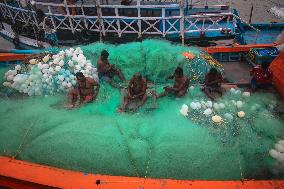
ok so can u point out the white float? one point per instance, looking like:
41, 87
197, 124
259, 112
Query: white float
216, 119
207, 112
184, 110
241, 114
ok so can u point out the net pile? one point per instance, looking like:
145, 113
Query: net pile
157, 140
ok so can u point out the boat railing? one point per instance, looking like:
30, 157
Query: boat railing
257, 31
124, 19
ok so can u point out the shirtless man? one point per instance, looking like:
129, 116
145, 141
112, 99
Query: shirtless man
180, 86
136, 90
213, 80
84, 91
106, 70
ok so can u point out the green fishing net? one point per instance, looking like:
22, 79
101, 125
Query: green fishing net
156, 140
155, 59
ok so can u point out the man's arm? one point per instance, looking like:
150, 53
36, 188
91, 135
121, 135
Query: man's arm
97, 87
170, 77
218, 80
129, 88
181, 87
103, 67
143, 89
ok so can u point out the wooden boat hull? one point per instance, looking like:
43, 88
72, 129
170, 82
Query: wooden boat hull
21, 174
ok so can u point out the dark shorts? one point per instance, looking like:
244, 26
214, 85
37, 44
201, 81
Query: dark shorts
212, 88
108, 75
254, 84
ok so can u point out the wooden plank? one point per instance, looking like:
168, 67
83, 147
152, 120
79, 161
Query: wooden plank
12, 57
236, 48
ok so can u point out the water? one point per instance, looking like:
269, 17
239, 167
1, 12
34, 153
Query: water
6, 45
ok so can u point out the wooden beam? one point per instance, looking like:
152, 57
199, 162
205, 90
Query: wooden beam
4, 57
182, 21
236, 48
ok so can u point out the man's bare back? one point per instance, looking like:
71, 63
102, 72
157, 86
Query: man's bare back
87, 87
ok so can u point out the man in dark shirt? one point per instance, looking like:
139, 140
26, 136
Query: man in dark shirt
261, 77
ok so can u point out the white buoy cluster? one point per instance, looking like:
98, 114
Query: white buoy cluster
51, 74
184, 110
209, 109
278, 154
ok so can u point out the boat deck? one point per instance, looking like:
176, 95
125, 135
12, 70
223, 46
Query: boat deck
237, 72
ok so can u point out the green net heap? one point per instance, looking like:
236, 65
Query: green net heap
156, 141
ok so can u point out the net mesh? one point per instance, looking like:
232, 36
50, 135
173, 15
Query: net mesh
156, 141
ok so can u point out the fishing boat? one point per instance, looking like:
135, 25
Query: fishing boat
246, 45
85, 22
16, 174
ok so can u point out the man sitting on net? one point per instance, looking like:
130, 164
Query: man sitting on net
84, 91
213, 81
180, 86
106, 70
136, 91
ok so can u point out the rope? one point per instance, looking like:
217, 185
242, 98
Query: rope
128, 151
21, 146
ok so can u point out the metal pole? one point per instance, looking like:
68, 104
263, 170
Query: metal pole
99, 17
118, 22
182, 21
11, 15
250, 16
69, 16
164, 21
139, 19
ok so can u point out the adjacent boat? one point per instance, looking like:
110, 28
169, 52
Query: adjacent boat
83, 23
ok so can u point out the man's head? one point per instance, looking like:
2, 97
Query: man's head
104, 55
138, 76
179, 72
213, 71
40, 15
265, 65
80, 76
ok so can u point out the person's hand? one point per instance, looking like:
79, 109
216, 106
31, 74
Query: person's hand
167, 88
130, 96
169, 77
134, 96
